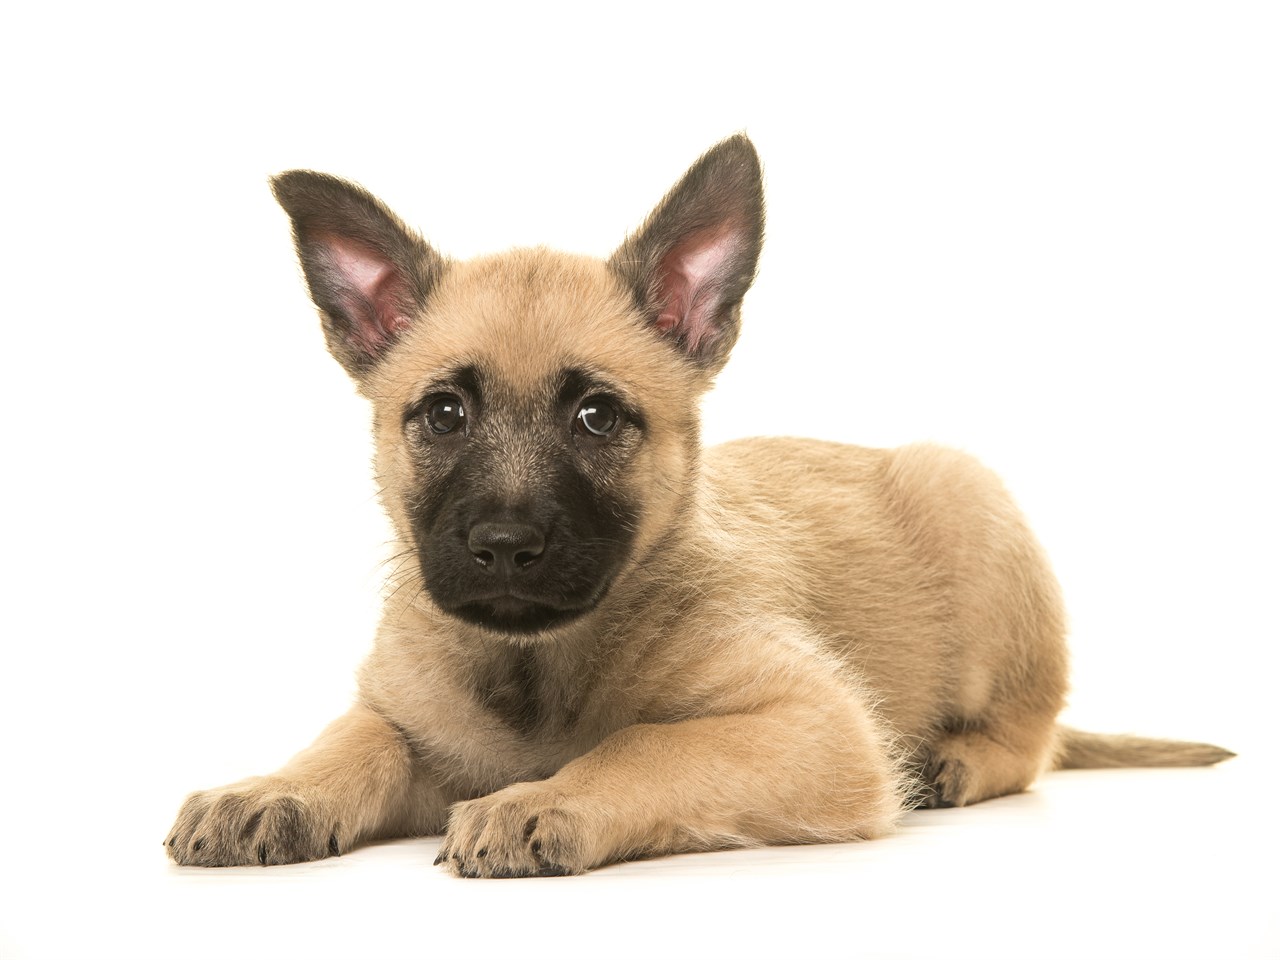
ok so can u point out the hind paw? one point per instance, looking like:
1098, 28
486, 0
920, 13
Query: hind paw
943, 783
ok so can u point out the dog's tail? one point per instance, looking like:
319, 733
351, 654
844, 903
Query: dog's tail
1080, 750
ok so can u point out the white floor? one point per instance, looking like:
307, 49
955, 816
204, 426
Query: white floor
1089, 864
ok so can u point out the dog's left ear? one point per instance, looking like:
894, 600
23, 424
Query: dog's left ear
691, 263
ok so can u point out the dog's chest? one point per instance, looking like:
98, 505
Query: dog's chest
528, 697
527, 716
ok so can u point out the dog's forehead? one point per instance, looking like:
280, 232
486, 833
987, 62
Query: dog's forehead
523, 318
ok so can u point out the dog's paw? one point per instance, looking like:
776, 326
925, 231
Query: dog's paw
260, 821
963, 768
943, 783
525, 830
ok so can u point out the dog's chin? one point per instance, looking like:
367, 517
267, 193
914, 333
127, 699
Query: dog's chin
514, 616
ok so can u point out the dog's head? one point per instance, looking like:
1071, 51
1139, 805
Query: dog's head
535, 413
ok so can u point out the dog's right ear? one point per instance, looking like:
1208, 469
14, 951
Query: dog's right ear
369, 274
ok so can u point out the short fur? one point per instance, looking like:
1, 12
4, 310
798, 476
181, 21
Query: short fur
612, 643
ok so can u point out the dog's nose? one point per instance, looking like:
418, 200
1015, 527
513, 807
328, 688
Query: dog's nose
506, 548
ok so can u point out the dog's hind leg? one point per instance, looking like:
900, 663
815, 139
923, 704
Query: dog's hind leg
999, 755
999, 744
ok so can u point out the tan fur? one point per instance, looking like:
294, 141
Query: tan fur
806, 635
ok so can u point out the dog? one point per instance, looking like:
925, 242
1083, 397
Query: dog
613, 643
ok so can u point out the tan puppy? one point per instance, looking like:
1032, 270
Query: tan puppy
616, 644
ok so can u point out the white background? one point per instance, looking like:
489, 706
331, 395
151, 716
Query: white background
1046, 234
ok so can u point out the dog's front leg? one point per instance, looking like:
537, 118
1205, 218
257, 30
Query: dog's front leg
358, 780
790, 773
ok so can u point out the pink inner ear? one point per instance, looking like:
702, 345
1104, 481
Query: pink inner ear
692, 279
373, 292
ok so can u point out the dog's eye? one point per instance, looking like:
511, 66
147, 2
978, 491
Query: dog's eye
445, 415
598, 417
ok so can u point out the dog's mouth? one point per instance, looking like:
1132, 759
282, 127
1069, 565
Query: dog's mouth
511, 614
515, 578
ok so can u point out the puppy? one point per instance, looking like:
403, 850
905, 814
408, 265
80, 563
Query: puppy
617, 644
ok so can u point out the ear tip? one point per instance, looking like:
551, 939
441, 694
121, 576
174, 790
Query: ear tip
291, 183
286, 187
740, 146
289, 176
736, 159
309, 194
